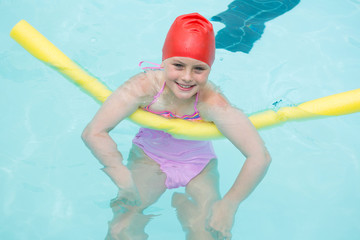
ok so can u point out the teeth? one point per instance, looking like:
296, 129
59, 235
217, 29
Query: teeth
184, 86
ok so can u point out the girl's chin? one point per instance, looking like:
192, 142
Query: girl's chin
185, 95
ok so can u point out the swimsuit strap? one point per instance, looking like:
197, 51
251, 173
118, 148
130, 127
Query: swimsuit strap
196, 102
160, 92
156, 96
158, 66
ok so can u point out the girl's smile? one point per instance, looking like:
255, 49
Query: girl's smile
185, 87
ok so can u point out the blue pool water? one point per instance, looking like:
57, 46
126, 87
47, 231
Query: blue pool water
51, 186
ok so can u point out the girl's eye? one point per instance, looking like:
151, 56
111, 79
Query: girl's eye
178, 65
199, 69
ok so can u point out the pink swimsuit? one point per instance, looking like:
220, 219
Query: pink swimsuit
181, 160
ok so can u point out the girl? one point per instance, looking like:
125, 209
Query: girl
158, 161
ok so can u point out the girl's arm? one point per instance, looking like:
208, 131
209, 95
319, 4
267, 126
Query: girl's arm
235, 126
122, 103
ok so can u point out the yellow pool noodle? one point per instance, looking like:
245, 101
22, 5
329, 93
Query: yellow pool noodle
36, 44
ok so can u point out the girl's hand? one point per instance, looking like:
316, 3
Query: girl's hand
128, 194
221, 219
127, 197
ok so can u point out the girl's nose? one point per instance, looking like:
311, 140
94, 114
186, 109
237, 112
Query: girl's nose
186, 77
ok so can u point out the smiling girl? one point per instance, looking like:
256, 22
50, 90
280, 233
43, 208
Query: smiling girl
158, 161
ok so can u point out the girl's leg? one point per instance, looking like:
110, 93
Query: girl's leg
194, 206
129, 222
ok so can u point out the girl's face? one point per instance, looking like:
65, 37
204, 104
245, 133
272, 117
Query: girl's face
185, 76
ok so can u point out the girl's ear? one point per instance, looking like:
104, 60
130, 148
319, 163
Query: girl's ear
162, 64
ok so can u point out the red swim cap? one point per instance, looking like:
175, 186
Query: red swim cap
191, 35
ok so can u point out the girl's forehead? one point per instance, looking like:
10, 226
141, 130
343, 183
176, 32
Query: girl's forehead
185, 60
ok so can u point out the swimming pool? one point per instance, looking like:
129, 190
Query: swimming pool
51, 187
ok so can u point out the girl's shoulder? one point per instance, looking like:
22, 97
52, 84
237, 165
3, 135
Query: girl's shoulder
155, 78
211, 101
145, 84
211, 95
